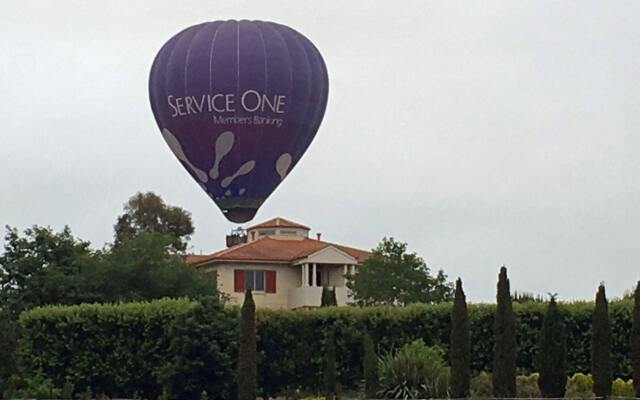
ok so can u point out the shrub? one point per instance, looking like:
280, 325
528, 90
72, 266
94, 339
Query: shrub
621, 388
635, 340
415, 371
32, 387
601, 346
369, 367
551, 358
482, 386
330, 375
130, 341
580, 386
459, 356
202, 354
527, 386
247, 350
505, 351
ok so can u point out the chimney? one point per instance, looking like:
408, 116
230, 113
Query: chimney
318, 235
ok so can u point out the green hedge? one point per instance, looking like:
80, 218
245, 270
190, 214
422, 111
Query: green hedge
184, 348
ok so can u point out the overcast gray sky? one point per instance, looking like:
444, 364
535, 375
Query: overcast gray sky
480, 133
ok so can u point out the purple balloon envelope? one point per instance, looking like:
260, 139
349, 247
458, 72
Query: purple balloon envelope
238, 103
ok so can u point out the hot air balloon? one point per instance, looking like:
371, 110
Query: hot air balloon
238, 103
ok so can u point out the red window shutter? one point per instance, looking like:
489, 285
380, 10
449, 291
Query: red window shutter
238, 280
270, 284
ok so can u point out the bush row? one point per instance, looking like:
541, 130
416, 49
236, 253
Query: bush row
183, 348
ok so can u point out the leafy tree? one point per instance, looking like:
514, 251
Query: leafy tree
390, 275
504, 350
369, 367
247, 369
41, 267
143, 268
328, 297
601, 346
635, 340
148, 212
460, 350
330, 375
551, 360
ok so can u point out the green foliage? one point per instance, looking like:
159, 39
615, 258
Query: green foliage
202, 355
416, 371
580, 386
113, 349
527, 386
147, 212
459, 350
482, 386
369, 367
40, 267
35, 386
137, 339
622, 388
526, 297
328, 298
601, 346
504, 331
142, 269
247, 350
552, 357
390, 275
330, 374
635, 340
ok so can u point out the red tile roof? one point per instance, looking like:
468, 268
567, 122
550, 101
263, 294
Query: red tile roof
266, 249
278, 222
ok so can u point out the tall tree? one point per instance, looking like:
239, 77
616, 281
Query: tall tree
247, 369
551, 360
504, 350
328, 297
369, 367
460, 349
601, 346
391, 275
40, 267
148, 212
330, 375
635, 340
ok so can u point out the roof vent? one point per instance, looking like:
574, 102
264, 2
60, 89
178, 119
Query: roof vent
318, 235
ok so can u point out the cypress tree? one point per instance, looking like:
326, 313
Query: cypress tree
324, 300
635, 340
369, 367
504, 347
459, 352
330, 376
328, 297
551, 360
247, 350
601, 346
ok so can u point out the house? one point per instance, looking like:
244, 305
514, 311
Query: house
282, 264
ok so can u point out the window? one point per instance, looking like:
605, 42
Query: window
283, 232
258, 280
254, 280
265, 232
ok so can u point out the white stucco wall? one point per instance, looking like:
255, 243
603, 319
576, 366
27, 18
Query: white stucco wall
287, 277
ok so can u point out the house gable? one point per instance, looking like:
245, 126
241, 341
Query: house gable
328, 255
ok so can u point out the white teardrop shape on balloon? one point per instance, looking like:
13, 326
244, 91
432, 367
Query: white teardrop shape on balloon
223, 146
243, 170
177, 150
282, 165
